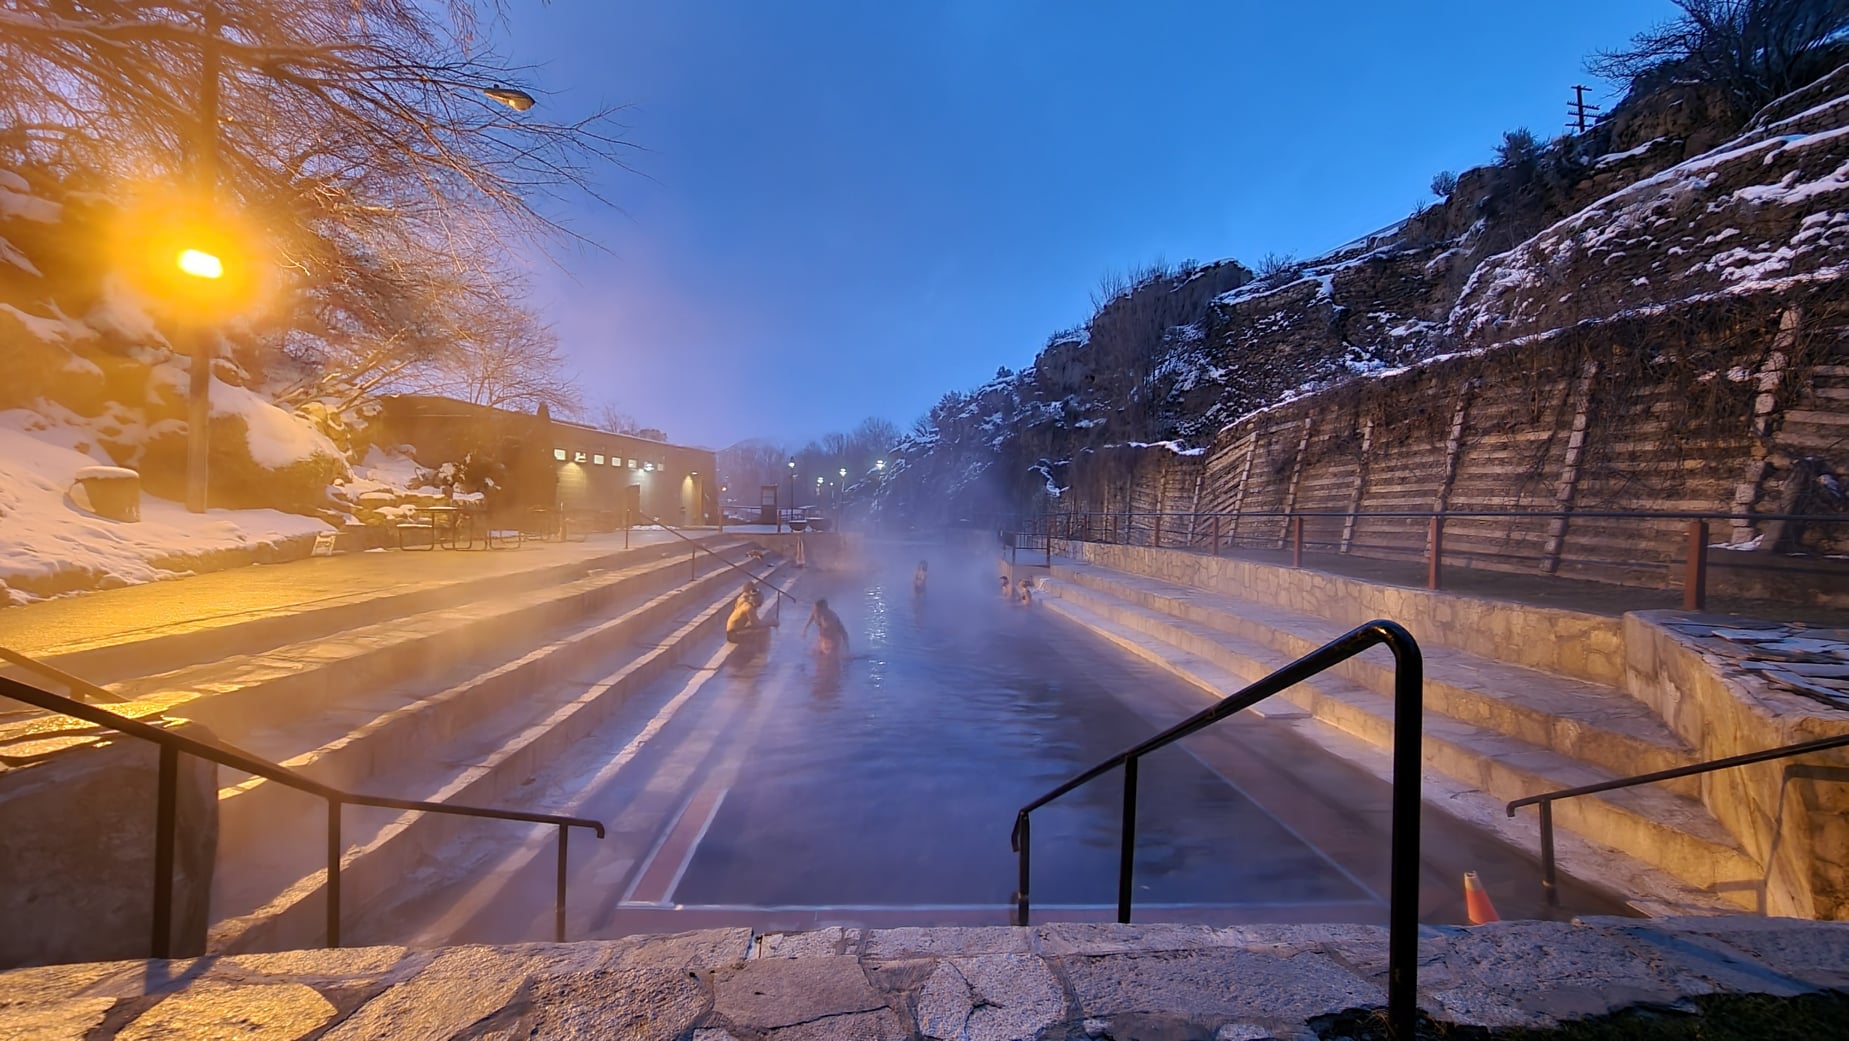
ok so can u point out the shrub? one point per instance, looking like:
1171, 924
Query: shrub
1278, 268
1519, 148
1444, 182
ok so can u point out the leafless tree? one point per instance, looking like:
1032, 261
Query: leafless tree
356, 132
1753, 51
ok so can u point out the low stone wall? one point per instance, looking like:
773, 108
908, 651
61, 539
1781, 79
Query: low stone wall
77, 820
1601, 977
1567, 643
1793, 819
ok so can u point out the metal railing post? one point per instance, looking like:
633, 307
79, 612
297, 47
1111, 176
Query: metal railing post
558, 907
693, 564
1126, 854
166, 794
1695, 573
1296, 541
1216, 534
1547, 855
1434, 567
333, 872
1023, 838
1403, 881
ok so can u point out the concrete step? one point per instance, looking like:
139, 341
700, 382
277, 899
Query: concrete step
234, 625
492, 764
1599, 725
426, 717
1668, 831
244, 697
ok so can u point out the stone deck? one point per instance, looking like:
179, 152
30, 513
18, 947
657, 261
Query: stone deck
1054, 981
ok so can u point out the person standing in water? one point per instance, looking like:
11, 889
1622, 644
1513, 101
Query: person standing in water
1007, 588
831, 635
918, 577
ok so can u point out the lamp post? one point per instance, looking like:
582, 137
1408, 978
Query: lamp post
792, 493
200, 264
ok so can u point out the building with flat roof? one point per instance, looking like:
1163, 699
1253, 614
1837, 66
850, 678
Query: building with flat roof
545, 462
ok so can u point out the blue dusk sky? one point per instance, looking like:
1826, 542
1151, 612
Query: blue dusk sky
846, 209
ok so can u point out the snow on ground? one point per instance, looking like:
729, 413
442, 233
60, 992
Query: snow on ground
275, 438
42, 534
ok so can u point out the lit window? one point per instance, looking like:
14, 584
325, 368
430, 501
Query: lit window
632, 464
648, 467
597, 459
578, 458
559, 454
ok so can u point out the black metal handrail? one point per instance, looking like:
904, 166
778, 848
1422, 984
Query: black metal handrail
172, 745
1403, 856
698, 545
1546, 800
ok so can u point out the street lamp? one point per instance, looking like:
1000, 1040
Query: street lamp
880, 466
516, 99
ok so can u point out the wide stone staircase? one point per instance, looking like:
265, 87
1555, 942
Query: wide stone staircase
1496, 731
462, 692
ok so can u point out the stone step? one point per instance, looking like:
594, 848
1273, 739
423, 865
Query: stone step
1671, 832
493, 770
427, 717
218, 629
1599, 725
240, 697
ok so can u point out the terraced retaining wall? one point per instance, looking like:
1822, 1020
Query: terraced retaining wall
1627, 416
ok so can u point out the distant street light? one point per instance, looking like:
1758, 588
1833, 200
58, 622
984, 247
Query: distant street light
880, 466
518, 100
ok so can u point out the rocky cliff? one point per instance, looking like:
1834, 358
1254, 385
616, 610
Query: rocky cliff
1661, 213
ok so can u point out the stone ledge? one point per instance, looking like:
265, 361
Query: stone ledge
1585, 979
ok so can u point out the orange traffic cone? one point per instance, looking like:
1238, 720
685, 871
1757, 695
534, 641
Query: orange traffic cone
1476, 902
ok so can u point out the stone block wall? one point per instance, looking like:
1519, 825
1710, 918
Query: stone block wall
1568, 643
1793, 819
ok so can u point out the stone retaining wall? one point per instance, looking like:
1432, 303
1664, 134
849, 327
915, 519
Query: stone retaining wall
1568, 643
1791, 816
1603, 976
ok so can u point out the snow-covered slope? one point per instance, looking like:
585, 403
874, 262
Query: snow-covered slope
49, 545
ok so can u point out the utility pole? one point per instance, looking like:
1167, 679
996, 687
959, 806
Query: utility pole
205, 175
1578, 110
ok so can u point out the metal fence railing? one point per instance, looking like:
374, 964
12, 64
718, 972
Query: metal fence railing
1671, 549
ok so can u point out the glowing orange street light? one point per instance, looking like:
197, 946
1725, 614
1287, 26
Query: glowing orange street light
200, 264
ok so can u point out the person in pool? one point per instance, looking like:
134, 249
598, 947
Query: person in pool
918, 577
1025, 590
1007, 588
744, 623
831, 635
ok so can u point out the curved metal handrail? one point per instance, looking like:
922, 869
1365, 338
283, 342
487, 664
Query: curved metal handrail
1408, 728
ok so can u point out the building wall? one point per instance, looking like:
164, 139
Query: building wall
556, 463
